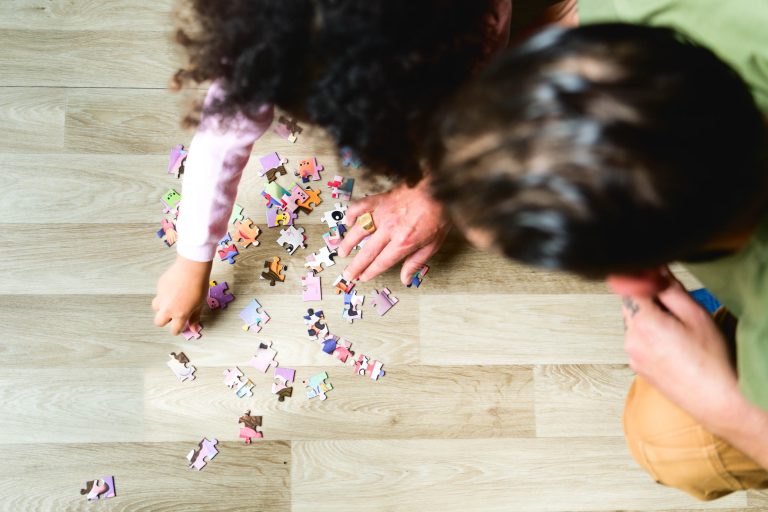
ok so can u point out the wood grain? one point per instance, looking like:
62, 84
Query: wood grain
581, 400
148, 476
32, 120
78, 15
86, 58
536, 475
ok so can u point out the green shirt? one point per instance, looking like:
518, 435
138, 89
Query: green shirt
737, 31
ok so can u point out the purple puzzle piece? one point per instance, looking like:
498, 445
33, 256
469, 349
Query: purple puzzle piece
190, 333
277, 217
218, 296
269, 162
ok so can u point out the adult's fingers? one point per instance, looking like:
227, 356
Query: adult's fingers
162, 318
679, 302
416, 261
359, 207
387, 259
367, 254
353, 237
177, 325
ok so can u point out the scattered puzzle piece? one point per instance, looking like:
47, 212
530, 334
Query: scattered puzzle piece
318, 385
341, 285
320, 260
292, 238
418, 277
218, 296
99, 489
280, 385
309, 169
311, 289
205, 452
364, 365
167, 232
316, 326
334, 236
225, 240
287, 128
176, 160
311, 202
341, 188
336, 216
228, 254
250, 423
271, 162
349, 158
254, 316
383, 301
189, 333
178, 365
233, 378
274, 271
170, 202
247, 232
237, 214
352, 305
276, 216
264, 358
289, 201
273, 194
338, 347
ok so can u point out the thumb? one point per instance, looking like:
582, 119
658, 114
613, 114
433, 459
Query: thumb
416, 261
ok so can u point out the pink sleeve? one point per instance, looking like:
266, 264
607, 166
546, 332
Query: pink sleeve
217, 155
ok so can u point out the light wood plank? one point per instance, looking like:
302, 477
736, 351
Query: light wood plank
148, 476
758, 499
84, 405
32, 120
521, 329
581, 400
408, 402
535, 475
118, 15
86, 58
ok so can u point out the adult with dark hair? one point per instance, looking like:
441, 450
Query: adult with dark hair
611, 150
371, 72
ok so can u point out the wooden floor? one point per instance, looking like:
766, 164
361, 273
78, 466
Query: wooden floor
504, 386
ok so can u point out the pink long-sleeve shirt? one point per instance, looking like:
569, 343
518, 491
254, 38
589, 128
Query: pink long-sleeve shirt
220, 151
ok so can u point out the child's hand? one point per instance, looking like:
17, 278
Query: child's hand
180, 293
409, 224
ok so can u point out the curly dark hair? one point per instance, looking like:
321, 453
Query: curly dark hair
371, 72
602, 149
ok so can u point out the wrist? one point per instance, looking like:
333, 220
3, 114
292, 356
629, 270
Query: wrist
194, 268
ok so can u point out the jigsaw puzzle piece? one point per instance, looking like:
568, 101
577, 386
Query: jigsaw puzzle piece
311, 202
249, 432
99, 489
287, 128
290, 200
205, 452
178, 365
264, 358
311, 289
281, 383
338, 347
349, 158
189, 333
336, 216
228, 254
233, 379
237, 214
176, 160
352, 305
341, 285
318, 385
254, 316
273, 194
334, 236
316, 326
269, 162
218, 296
320, 260
373, 368
309, 169
247, 232
167, 232
274, 271
383, 301
418, 277
276, 217
171, 201
292, 238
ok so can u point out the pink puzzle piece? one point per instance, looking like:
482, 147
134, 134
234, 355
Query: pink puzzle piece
311, 289
99, 489
309, 169
264, 358
204, 453
364, 365
269, 162
190, 333
228, 254
176, 160
383, 301
289, 202
281, 383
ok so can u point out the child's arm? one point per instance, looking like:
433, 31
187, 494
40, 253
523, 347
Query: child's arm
217, 155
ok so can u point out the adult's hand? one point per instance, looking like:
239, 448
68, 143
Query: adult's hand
409, 224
